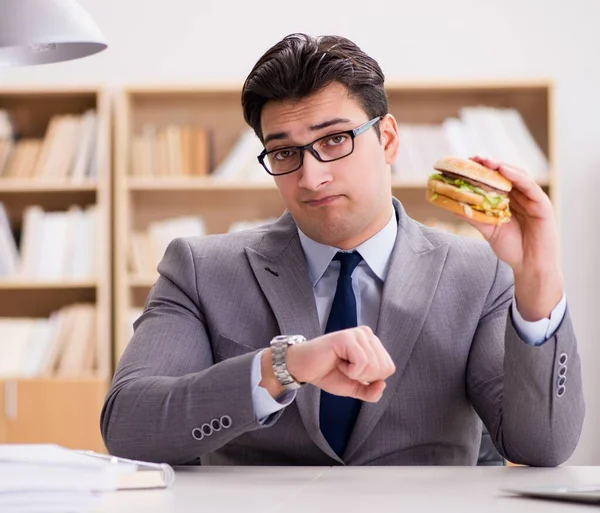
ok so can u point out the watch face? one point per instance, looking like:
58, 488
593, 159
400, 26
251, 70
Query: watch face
289, 339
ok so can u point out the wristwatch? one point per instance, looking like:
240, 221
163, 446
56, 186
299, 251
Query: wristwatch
279, 347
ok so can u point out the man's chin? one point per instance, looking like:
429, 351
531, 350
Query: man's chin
329, 230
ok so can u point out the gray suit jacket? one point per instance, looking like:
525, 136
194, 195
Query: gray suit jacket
444, 319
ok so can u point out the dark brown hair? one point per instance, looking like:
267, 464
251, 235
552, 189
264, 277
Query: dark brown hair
300, 65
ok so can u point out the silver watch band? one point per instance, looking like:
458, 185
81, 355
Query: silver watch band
279, 347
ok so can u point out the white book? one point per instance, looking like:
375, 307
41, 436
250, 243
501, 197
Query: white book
471, 126
418, 163
459, 141
14, 335
238, 161
84, 150
431, 144
38, 346
51, 259
31, 240
9, 253
85, 259
74, 217
97, 151
161, 233
27, 469
537, 162
505, 148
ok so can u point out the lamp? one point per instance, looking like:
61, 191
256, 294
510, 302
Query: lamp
45, 31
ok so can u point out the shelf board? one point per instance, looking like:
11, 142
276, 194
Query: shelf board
209, 184
194, 183
77, 380
28, 284
40, 186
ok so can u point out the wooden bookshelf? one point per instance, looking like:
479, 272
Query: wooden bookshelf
47, 409
140, 200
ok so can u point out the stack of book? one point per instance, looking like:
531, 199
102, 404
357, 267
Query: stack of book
478, 130
494, 133
66, 153
147, 247
44, 477
241, 163
173, 150
54, 245
63, 345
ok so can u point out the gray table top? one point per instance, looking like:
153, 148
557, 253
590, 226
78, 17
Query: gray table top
352, 489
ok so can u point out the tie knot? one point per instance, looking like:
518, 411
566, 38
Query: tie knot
348, 261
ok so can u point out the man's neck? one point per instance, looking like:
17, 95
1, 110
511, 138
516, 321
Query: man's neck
378, 225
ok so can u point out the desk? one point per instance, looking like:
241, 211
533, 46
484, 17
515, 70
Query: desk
351, 489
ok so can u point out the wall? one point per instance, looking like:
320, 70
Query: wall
212, 40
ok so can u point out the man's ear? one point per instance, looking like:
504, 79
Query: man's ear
390, 139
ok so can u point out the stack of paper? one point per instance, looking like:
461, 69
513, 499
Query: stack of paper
41, 478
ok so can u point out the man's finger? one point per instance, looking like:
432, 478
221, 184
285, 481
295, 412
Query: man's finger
489, 163
355, 359
522, 182
370, 393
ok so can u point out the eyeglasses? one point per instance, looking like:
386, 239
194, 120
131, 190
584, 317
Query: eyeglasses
288, 159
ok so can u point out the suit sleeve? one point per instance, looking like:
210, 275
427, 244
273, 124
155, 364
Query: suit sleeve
168, 401
529, 397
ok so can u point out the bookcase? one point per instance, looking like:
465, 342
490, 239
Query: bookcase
156, 125
56, 289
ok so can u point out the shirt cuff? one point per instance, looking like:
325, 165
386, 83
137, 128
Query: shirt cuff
537, 332
264, 404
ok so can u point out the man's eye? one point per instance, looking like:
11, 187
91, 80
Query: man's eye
336, 140
283, 154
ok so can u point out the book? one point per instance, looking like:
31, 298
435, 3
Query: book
63, 345
495, 133
27, 468
137, 475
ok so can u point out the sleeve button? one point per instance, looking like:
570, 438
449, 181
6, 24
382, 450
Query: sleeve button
226, 421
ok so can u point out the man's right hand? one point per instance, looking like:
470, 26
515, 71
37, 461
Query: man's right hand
350, 362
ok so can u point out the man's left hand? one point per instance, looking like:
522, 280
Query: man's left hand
529, 243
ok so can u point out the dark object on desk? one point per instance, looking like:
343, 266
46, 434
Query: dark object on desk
587, 494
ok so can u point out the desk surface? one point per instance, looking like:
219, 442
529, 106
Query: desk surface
352, 489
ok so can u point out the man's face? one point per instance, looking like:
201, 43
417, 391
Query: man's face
344, 202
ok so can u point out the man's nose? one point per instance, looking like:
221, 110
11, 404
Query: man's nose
314, 173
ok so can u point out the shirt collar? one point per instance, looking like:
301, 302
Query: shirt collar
376, 251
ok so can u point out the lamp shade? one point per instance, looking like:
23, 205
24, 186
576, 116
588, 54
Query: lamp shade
46, 31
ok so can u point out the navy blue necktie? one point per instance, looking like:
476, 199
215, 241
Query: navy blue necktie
337, 414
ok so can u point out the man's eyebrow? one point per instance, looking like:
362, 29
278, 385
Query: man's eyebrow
330, 122
313, 128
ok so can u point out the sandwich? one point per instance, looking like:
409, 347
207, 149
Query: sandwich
470, 189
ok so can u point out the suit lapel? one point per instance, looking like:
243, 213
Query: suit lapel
280, 268
408, 291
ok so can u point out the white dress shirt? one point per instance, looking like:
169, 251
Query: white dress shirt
367, 283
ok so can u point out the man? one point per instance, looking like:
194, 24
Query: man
413, 335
